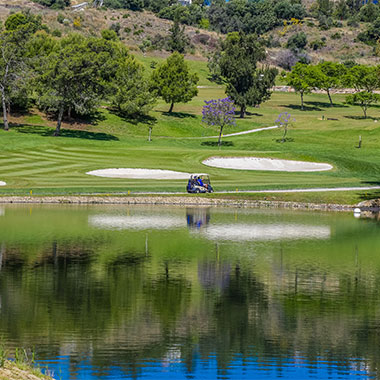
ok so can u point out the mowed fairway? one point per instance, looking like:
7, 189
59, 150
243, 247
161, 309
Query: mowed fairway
31, 159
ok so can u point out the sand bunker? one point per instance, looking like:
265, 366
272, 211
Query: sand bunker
256, 163
139, 173
2, 183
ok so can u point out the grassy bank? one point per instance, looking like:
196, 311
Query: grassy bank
32, 160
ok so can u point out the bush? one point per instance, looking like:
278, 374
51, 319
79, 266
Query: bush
56, 33
287, 10
286, 59
325, 22
353, 22
369, 12
297, 41
336, 36
54, 4
109, 35
127, 30
77, 23
317, 44
60, 18
115, 27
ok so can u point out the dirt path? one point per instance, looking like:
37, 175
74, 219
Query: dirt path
233, 134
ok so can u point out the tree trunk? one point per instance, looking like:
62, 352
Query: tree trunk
150, 134
242, 112
5, 115
365, 112
285, 132
171, 107
331, 102
69, 113
302, 101
220, 136
59, 121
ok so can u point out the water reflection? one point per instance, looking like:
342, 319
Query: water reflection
138, 222
133, 298
274, 231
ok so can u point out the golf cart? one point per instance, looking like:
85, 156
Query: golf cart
199, 183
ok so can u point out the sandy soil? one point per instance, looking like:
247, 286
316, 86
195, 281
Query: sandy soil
139, 173
256, 163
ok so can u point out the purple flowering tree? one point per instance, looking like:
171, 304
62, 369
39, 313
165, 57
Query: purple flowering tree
219, 112
283, 121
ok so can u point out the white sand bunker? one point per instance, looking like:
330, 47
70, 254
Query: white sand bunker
2, 183
256, 163
139, 173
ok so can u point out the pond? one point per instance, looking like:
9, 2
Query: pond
122, 292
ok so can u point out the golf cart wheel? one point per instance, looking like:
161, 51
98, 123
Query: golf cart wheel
197, 191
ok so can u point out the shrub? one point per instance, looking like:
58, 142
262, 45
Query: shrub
115, 27
56, 33
336, 36
77, 23
317, 44
297, 41
109, 35
60, 18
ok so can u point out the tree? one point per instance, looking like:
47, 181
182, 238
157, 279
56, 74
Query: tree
362, 77
178, 40
220, 112
246, 85
363, 99
299, 79
76, 75
132, 93
18, 29
174, 82
327, 76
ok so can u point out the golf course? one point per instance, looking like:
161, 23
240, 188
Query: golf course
34, 162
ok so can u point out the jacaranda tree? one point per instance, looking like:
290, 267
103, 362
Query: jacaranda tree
220, 112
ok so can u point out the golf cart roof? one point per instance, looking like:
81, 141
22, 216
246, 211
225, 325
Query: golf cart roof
198, 174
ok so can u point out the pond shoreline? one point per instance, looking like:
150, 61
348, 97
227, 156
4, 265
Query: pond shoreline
174, 200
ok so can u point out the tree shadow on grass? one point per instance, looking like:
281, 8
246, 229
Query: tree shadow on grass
48, 132
91, 119
180, 115
360, 117
215, 143
136, 119
298, 107
325, 105
370, 194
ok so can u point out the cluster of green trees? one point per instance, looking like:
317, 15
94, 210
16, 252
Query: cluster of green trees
54, 4
236, 64
74, 74
328, 76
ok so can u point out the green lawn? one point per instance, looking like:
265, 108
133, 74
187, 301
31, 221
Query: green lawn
31, 159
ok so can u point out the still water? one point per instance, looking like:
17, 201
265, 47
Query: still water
106, 292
